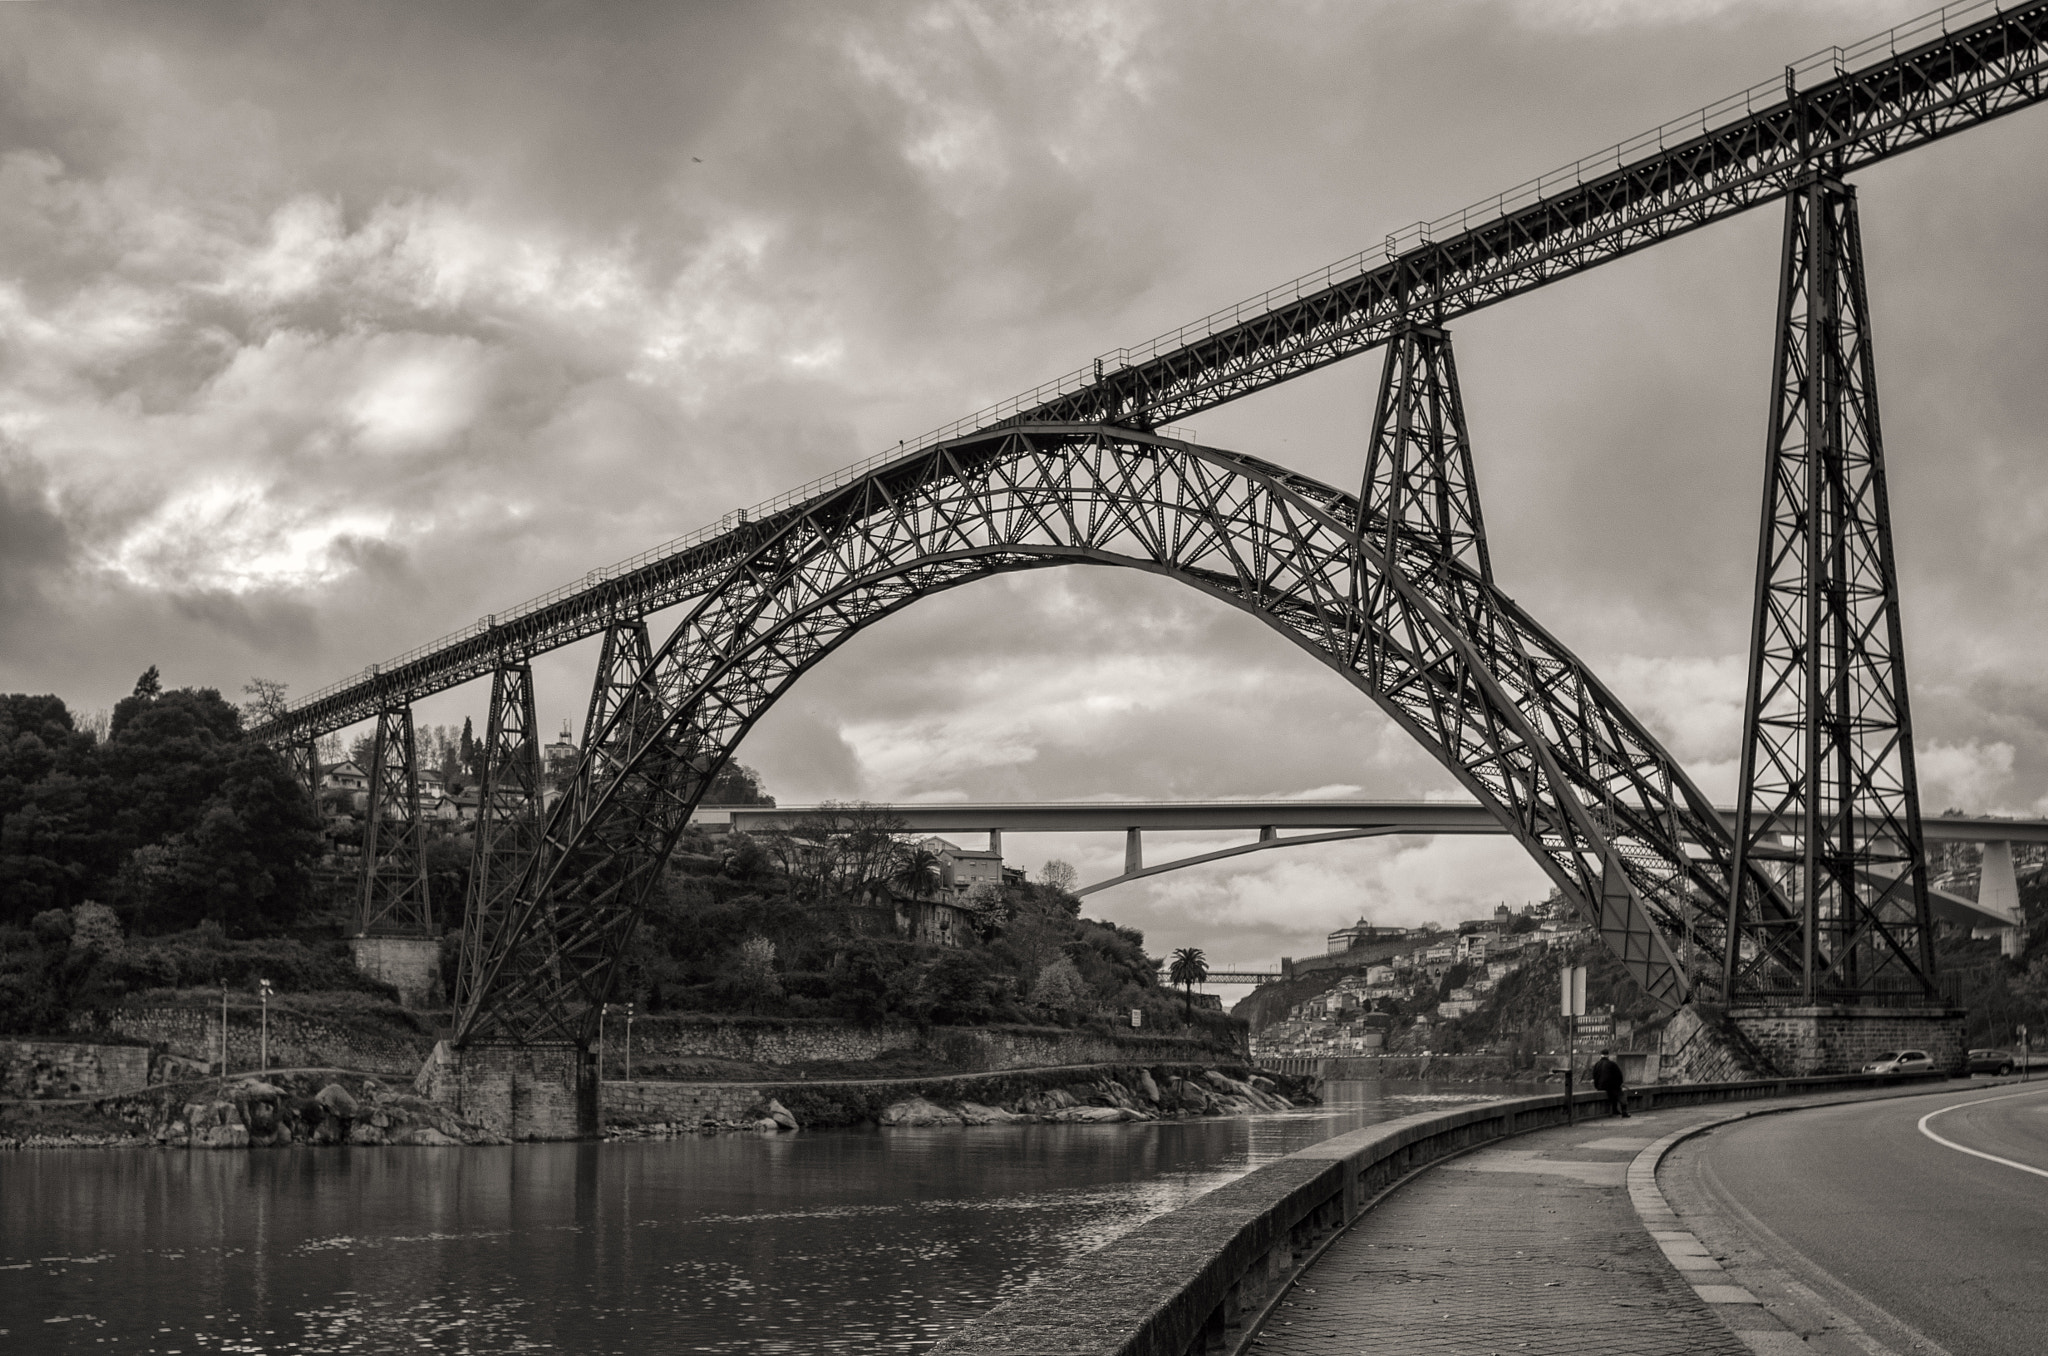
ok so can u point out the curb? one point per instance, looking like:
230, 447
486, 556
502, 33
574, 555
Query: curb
1762, 1331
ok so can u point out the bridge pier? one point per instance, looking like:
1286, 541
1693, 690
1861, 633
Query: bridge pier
1998, 887
411, 965
1800, 1041
523, 1092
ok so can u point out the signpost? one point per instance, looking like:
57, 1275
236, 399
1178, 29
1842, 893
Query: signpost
263, 1056
1571, 1006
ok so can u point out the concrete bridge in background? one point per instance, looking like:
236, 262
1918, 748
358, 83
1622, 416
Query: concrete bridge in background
1330, 821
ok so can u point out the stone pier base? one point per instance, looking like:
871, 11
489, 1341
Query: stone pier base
518, 1091
1800, 1042
411, 965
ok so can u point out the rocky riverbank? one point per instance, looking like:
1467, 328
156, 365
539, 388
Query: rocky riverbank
334, 1107
308, 1106
1097, 1094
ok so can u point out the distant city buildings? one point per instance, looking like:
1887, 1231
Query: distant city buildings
1391, 984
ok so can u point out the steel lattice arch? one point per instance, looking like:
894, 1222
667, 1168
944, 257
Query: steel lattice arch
1508, 710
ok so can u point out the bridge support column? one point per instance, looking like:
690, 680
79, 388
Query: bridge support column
1134, 851
1829, 802
1798, 1041
507, 817
523, 1092
551, 980
1998, 887
396, 941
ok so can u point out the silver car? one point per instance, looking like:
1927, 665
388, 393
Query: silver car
1901, 1061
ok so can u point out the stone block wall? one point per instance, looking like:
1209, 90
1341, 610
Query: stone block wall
644, 1102
523, 1092
658, 1040
411, 965
1699, 1046
298, 1040
69, 1069
1803, 1041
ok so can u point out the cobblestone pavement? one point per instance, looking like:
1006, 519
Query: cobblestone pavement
1519, 1249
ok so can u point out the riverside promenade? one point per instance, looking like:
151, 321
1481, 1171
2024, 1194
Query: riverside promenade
1495, 1230
1561, 1241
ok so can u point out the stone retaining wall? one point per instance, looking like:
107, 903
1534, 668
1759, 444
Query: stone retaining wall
379, 1041
70, 1069
1188, 1280
1813, 1040
411, 965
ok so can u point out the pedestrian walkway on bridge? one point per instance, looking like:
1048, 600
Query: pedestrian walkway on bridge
1539, 1245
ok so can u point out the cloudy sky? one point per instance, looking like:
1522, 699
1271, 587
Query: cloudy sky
325, 329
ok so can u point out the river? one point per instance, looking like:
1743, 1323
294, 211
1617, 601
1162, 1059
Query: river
876, 1240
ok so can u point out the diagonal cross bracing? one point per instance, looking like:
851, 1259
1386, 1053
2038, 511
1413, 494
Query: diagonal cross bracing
1506, 708
394, 900
1922, 81
1829, 799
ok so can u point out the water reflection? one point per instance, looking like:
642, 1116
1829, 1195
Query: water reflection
833, 1241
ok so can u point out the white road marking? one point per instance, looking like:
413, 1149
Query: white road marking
1979, 1153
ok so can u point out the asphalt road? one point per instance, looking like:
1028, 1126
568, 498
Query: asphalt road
1930, 1209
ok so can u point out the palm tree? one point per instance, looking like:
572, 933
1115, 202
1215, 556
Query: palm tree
1190, 967
917, 872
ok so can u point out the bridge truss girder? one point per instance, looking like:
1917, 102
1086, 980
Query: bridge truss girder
1512, 714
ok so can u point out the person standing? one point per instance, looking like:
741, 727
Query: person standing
1607, 1078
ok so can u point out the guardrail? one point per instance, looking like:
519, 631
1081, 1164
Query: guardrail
1196, 1279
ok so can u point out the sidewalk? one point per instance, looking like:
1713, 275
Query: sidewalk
1522, 1248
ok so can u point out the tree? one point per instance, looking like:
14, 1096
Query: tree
149, 685
838, 851
754, 972
737, 785
1059, 875
467, 751
1059, 986
265, 700
1190, 967
917, 871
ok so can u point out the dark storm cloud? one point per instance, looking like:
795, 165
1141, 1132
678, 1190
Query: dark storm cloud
325, 329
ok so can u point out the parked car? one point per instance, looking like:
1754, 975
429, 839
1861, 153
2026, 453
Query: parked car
1901, 1061
1992, 1061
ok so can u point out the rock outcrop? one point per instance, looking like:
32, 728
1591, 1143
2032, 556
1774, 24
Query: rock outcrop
1087, 1094
307, 1109
1122, 1095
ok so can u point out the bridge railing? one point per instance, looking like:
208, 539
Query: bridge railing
1197, 1279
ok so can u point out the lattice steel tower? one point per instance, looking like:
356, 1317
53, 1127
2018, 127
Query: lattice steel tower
1829, 800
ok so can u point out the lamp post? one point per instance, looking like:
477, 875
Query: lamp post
629, 1042
223, 1035
263, 1057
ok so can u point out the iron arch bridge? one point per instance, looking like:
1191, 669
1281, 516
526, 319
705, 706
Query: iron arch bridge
1392, 587
1505, 708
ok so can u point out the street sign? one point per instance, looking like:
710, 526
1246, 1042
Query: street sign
1573, 985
